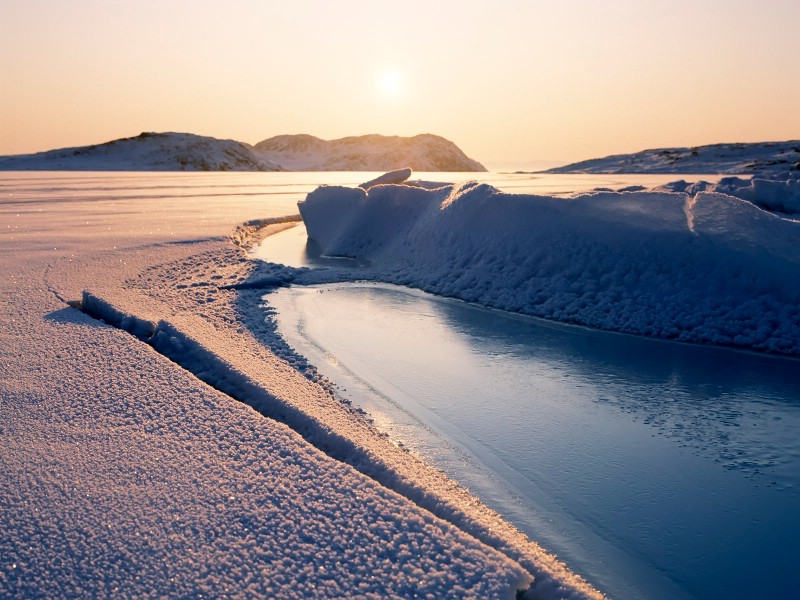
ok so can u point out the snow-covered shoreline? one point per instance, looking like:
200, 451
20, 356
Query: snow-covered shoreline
771, 160
124, 474
708, 428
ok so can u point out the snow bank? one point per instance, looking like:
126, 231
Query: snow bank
709, 268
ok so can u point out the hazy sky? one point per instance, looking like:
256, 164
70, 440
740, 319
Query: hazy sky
508, 80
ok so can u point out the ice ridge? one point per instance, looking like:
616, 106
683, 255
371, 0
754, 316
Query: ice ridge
704, 268
189, 352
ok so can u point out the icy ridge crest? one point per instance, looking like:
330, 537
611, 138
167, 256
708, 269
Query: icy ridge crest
705, 268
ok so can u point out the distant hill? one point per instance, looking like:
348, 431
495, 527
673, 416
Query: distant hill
424, 152
770, 159
146, 152
188, 152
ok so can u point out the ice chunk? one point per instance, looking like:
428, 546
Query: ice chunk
392, 177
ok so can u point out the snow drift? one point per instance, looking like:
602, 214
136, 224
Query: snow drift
709, 268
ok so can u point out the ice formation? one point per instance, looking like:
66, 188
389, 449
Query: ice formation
778, 196
705, 267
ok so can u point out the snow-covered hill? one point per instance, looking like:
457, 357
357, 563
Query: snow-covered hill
424, 152
146, 152
775, 160
188, 152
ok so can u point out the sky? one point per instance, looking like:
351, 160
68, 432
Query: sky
509, 81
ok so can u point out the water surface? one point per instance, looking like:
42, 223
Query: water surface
655, 469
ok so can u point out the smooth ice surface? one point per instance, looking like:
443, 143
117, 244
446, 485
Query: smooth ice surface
656, 469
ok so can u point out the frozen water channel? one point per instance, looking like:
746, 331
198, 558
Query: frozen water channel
654, 469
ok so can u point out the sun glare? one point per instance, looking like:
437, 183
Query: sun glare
390, 83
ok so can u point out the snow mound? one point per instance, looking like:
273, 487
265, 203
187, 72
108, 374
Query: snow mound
146, 152
709, 268
374, 152
772, 160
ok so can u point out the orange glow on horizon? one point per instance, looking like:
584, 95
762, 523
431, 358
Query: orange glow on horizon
517, 81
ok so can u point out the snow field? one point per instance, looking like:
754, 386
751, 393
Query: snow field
176, 491
123, 475
709, 268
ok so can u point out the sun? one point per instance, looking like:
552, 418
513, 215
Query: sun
390, 83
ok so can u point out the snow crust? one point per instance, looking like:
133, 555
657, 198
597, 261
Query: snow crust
772, 195
325, 517
703, 268
187, 459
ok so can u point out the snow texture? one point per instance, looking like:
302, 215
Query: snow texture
769, 160
146, 152
772, 195
424, 152
187, 459
705, 268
